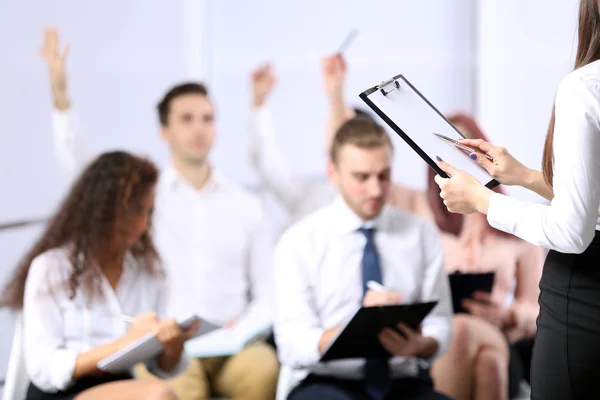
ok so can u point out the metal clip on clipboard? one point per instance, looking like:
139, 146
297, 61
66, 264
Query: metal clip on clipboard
391, 85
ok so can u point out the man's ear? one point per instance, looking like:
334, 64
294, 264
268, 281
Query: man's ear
164, 134
332, 172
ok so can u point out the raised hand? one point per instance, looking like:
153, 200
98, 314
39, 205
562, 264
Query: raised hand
334, 74
55, 59
263, 82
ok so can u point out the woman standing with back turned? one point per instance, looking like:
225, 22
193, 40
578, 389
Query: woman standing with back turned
567, 346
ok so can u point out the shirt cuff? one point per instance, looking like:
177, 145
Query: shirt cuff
306, 350
63, 366
61, 119
502, 213
179, 368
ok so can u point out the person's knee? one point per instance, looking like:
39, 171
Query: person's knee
462, 343
265, 377
492, 363
254, 374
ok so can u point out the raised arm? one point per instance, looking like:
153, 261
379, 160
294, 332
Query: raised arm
68, 143
334, 79
266, 156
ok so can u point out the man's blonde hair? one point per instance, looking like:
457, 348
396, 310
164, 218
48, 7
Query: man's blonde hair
361, 132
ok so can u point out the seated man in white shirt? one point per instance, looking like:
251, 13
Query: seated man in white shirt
323, 262
211, 234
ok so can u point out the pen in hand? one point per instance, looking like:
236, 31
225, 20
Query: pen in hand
127, 318
379, 295
376, 286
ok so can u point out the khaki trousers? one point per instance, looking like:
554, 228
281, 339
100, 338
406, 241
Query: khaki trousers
250, 375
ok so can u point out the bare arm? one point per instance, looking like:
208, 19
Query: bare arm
56, 61
534, 181
86, 363
334, 76
524, 310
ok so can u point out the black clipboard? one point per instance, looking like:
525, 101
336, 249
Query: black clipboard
463, 285
398, 103
358, 338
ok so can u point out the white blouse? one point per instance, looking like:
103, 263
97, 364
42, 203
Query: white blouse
56, 329
569, 223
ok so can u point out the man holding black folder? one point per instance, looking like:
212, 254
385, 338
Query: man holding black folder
324, 264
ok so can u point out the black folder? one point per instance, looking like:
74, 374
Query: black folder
464, 285
359, 337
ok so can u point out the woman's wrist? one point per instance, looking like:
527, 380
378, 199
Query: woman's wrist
530, 178
482, 202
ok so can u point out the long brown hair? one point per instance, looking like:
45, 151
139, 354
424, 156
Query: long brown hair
93, 222
588, 51
446, 221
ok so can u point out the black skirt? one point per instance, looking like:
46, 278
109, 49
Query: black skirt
566, 355
83, 384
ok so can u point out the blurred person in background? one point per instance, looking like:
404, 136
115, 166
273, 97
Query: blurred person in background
490, 351
211, 233
323, 264
94, 262
300, 197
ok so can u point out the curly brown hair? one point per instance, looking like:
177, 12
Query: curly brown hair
93, 222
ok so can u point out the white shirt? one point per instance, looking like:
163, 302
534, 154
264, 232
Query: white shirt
568, 224
318, 282
215, 242
56, 329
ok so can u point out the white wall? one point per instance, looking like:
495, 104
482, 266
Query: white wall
430, 42
524, 48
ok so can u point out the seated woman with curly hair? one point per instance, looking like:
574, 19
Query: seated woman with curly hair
94, 262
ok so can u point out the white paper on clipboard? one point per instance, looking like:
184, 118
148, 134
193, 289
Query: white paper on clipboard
408, 113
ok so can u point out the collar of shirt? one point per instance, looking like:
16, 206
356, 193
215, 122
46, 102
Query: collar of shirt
345, 221
173, 180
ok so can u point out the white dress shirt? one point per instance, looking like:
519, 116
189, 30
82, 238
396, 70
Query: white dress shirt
568, 224
215, 242
56, 329
318, 282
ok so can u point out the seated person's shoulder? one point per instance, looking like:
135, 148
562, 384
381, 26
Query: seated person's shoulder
402, 219
50, 268
584, 79
310, 226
